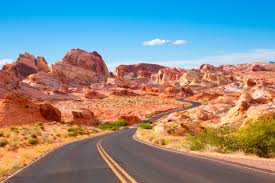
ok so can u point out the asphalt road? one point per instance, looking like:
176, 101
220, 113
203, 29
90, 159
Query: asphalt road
87, 161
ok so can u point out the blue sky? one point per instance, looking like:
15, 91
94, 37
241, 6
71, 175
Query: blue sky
174, 33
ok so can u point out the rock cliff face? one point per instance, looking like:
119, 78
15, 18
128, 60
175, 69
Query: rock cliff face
81, 68
137, 71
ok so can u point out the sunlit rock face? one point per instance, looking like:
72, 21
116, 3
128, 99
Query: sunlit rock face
81, 67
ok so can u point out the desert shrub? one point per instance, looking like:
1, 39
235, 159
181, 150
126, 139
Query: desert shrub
3, 142
107, 126
120, 122
195, 142
257, 137
32, 140
145, 125
114, 125
75, 131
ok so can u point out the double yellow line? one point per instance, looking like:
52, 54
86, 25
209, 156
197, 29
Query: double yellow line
121, 174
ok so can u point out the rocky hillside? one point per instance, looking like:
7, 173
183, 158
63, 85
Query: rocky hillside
231, 94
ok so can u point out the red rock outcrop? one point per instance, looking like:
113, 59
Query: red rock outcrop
137, 71
25, 65
257, 67
84, 117
150, 89
207, 68
90, 94
178, 92
18, 110
166, 75
50, 112
123, 92
79, 67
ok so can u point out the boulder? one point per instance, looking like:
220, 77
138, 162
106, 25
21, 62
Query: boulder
50, 112
84, 117
18, 110
250, 83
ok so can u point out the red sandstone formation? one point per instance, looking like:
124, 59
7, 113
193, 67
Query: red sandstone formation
79, 67
137, 71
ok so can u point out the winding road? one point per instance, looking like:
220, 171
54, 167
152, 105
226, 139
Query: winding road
117, 157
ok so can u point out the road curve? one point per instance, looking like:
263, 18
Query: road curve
87, 161
158, 116
81, 162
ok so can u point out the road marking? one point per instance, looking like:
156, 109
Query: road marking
112, 164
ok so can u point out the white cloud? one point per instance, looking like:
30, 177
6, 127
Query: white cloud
5, 61
179, 42
155, 42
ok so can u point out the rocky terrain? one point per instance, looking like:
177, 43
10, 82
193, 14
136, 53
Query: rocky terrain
80, 89
50, 105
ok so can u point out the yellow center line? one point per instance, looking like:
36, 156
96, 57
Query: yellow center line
106, 156
119, 176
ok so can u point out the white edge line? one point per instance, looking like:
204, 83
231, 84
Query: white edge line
204, 157
43, 155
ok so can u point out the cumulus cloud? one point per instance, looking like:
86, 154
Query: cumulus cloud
158, 42
155, 42
4, 61
179, 42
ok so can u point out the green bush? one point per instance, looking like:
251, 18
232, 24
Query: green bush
32, 140
114, 125
3, 142
120, 123
257, 137
107, 126
145, 125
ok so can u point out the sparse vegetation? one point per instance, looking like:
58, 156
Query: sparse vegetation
73, 132
145, 125
256, 137
114, 125
19, 145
